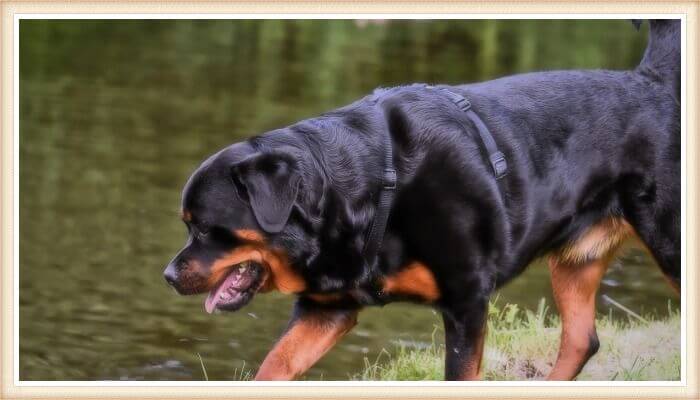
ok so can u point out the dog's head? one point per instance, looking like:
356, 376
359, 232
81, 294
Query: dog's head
234, 205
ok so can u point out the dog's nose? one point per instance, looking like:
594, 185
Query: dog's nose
170, 275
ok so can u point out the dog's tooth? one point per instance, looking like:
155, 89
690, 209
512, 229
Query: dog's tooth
243, 267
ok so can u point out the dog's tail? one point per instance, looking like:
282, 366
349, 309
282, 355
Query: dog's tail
662, 57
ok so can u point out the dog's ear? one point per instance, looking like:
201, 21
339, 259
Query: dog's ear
271, 183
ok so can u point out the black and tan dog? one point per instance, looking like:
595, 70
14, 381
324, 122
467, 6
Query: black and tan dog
593, 158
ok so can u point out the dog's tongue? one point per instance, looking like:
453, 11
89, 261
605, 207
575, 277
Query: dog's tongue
215, 294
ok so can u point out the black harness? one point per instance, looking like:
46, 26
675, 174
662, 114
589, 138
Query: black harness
496, 158
499, 166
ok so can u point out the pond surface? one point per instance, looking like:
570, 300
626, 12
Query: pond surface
114, 116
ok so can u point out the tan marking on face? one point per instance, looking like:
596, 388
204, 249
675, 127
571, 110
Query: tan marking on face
186, 215
279, 273
250, 235
191, 277
221, 267
413, 280
283, 276
598, 242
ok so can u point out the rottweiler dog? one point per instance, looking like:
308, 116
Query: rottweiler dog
593, 157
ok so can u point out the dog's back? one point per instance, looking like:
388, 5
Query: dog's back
621, 131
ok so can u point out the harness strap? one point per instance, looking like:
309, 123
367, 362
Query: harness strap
496, 158
375, 235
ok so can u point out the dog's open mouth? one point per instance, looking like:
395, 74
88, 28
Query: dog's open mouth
237, 288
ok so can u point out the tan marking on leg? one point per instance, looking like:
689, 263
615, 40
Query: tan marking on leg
464, 345
676, 286
574, 288
325, 298
576, 271
306, 341
472, 368
413, 280
671, 282
597, 242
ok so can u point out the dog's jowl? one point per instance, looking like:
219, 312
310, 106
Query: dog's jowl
439, 195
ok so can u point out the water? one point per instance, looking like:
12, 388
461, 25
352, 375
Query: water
114, 116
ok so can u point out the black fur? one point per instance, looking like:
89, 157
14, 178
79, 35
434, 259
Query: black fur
581, 146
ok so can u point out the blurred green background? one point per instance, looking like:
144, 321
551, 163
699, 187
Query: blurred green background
115, 115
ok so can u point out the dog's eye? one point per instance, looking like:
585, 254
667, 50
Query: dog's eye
197, 232
203, 234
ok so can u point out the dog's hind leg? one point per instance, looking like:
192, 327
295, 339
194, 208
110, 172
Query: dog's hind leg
667, 255
576, 271
660, 231
574, 287
651, 202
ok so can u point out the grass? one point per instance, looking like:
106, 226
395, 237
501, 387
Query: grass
523, 345
204, 370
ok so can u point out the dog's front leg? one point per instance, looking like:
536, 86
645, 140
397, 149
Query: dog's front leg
311, 332
465, 330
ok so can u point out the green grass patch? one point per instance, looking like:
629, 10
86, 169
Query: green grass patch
523, 345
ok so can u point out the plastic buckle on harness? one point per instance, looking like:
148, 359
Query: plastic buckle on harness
460, 101
463, 104
499, 164
389, 179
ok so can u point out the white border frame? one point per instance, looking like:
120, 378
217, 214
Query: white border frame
170, 16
